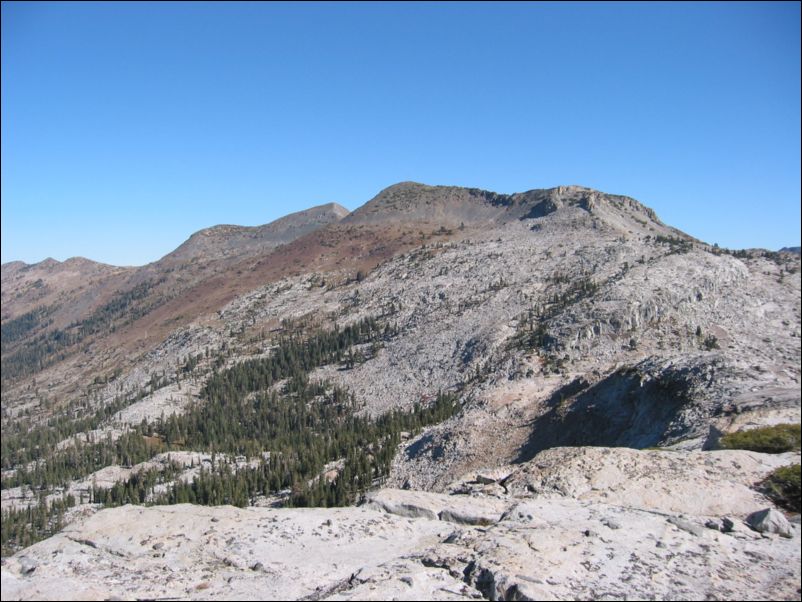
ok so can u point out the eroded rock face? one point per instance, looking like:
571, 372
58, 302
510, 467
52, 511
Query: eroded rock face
570, 524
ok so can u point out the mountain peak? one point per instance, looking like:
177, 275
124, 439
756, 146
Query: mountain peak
453, 205
413, 201
229, 241
48, 262
332, 207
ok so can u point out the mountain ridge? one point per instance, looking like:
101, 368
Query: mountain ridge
398, 218
479, 358
295, 219
232, 240
392, 202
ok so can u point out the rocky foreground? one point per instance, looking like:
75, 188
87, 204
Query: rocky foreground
572, 523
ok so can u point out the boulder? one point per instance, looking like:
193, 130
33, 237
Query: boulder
770, 520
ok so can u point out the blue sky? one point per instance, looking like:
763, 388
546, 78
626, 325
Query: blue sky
126, 127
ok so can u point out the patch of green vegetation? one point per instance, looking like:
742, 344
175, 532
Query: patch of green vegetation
80, 460
302, 436
23, 527
782, 486
711, 342
768, 439
22, 326
676, 244
24, 442
256, 406
532, 332
304, 425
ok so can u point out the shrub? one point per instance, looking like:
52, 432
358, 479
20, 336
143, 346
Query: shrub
711, 342
768, 439
782, 486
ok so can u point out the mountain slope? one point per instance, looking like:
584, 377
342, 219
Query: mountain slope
54, 309
432, 333
514, 252
28, 286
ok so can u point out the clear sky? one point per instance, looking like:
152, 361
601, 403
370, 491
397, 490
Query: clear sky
126, 127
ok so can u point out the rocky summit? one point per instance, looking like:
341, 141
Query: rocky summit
448, 393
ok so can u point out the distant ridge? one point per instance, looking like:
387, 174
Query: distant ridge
229, 241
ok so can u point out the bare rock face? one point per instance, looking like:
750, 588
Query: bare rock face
573, 524
717, 483
226, 553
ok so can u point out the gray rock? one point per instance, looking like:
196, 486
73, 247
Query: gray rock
488, 477
409, 510
690, 483
284, 554
462, 517
460, 509
27, 565
685, 525
770, 520
611, 523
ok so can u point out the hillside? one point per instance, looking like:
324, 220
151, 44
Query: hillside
434, 335
52, 310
